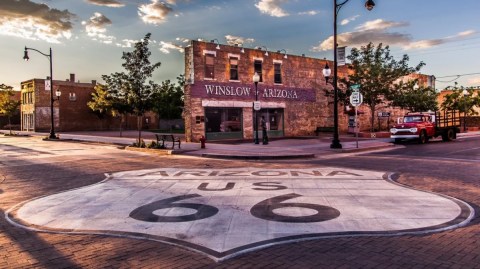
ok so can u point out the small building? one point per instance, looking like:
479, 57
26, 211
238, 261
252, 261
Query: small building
70, 110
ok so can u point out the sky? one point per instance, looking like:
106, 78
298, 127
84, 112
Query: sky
87, 37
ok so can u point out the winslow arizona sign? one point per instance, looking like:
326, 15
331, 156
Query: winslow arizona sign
225, 212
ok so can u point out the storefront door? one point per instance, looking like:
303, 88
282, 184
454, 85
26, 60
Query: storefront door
274, 122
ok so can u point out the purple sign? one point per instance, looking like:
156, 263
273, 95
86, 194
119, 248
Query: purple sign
237, 91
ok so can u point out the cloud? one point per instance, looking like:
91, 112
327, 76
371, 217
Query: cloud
232, 40
380, 24
166, 47
376, 31
371, 31
127, 43
96, 28
182, 39
155, 12
349, 20
272, 7
26, 19
310, 13
107, 3
428, 43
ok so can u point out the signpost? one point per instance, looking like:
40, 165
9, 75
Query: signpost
256, 105
356, 99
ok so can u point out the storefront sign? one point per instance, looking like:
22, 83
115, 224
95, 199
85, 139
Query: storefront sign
238, 91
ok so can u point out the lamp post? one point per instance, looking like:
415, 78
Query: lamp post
369, 4
256, 79
465, 94
58, 93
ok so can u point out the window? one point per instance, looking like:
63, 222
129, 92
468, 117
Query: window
223, 120
257, 64
233, 68
209, 66
277, 68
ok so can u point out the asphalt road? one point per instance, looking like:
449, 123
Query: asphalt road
30, 168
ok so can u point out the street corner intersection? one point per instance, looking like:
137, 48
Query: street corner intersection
225, 212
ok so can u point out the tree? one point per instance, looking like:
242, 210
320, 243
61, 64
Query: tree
376, 71
131, 88
463, 99
168, 99
8, 107
414, 98
107, 100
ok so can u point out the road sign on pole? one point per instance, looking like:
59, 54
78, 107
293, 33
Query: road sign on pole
256, 105
356, 99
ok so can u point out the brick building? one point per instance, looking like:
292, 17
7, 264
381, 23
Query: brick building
71, 112
220, 91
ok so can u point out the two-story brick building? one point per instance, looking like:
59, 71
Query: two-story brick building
70, 111
220, 92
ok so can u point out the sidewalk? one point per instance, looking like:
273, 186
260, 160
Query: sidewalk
289, 148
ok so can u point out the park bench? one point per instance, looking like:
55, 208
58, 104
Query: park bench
168, 138
323, 130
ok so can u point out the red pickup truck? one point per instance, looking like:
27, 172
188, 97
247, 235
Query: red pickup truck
426, 125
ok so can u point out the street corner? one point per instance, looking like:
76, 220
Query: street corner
225, 212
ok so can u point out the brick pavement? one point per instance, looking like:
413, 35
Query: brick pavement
20, 248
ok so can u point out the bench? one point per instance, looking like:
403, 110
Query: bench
323, 130
161, 139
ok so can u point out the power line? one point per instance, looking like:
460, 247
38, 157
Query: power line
461, 75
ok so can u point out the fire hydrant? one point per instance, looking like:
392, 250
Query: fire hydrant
202, 142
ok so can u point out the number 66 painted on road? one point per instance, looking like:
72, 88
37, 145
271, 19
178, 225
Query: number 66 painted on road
263, 210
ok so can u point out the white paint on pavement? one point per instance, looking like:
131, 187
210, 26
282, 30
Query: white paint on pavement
222, 212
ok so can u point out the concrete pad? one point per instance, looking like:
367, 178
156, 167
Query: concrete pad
225, 212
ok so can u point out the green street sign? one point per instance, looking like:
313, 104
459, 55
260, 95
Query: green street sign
355, 87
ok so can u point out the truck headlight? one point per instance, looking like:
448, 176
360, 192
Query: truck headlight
393, 130
413, 130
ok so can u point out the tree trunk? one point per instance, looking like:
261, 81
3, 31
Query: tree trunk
139, 128
121, 123
372, 118
10, 125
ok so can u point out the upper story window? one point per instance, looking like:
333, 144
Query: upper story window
209, 66
277, 70
72, 96
257, 66
233, 68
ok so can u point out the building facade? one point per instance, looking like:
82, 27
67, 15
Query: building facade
70, 111
220, 92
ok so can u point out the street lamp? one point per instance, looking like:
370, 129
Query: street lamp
369, 4
465, 94
256, 79
57, 93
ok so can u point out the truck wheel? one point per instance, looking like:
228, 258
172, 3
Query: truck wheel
422, 138
449, 135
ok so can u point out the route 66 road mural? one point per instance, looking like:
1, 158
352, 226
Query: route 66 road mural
225, 212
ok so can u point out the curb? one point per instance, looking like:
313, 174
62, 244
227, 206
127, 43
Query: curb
364, 149
258, 157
